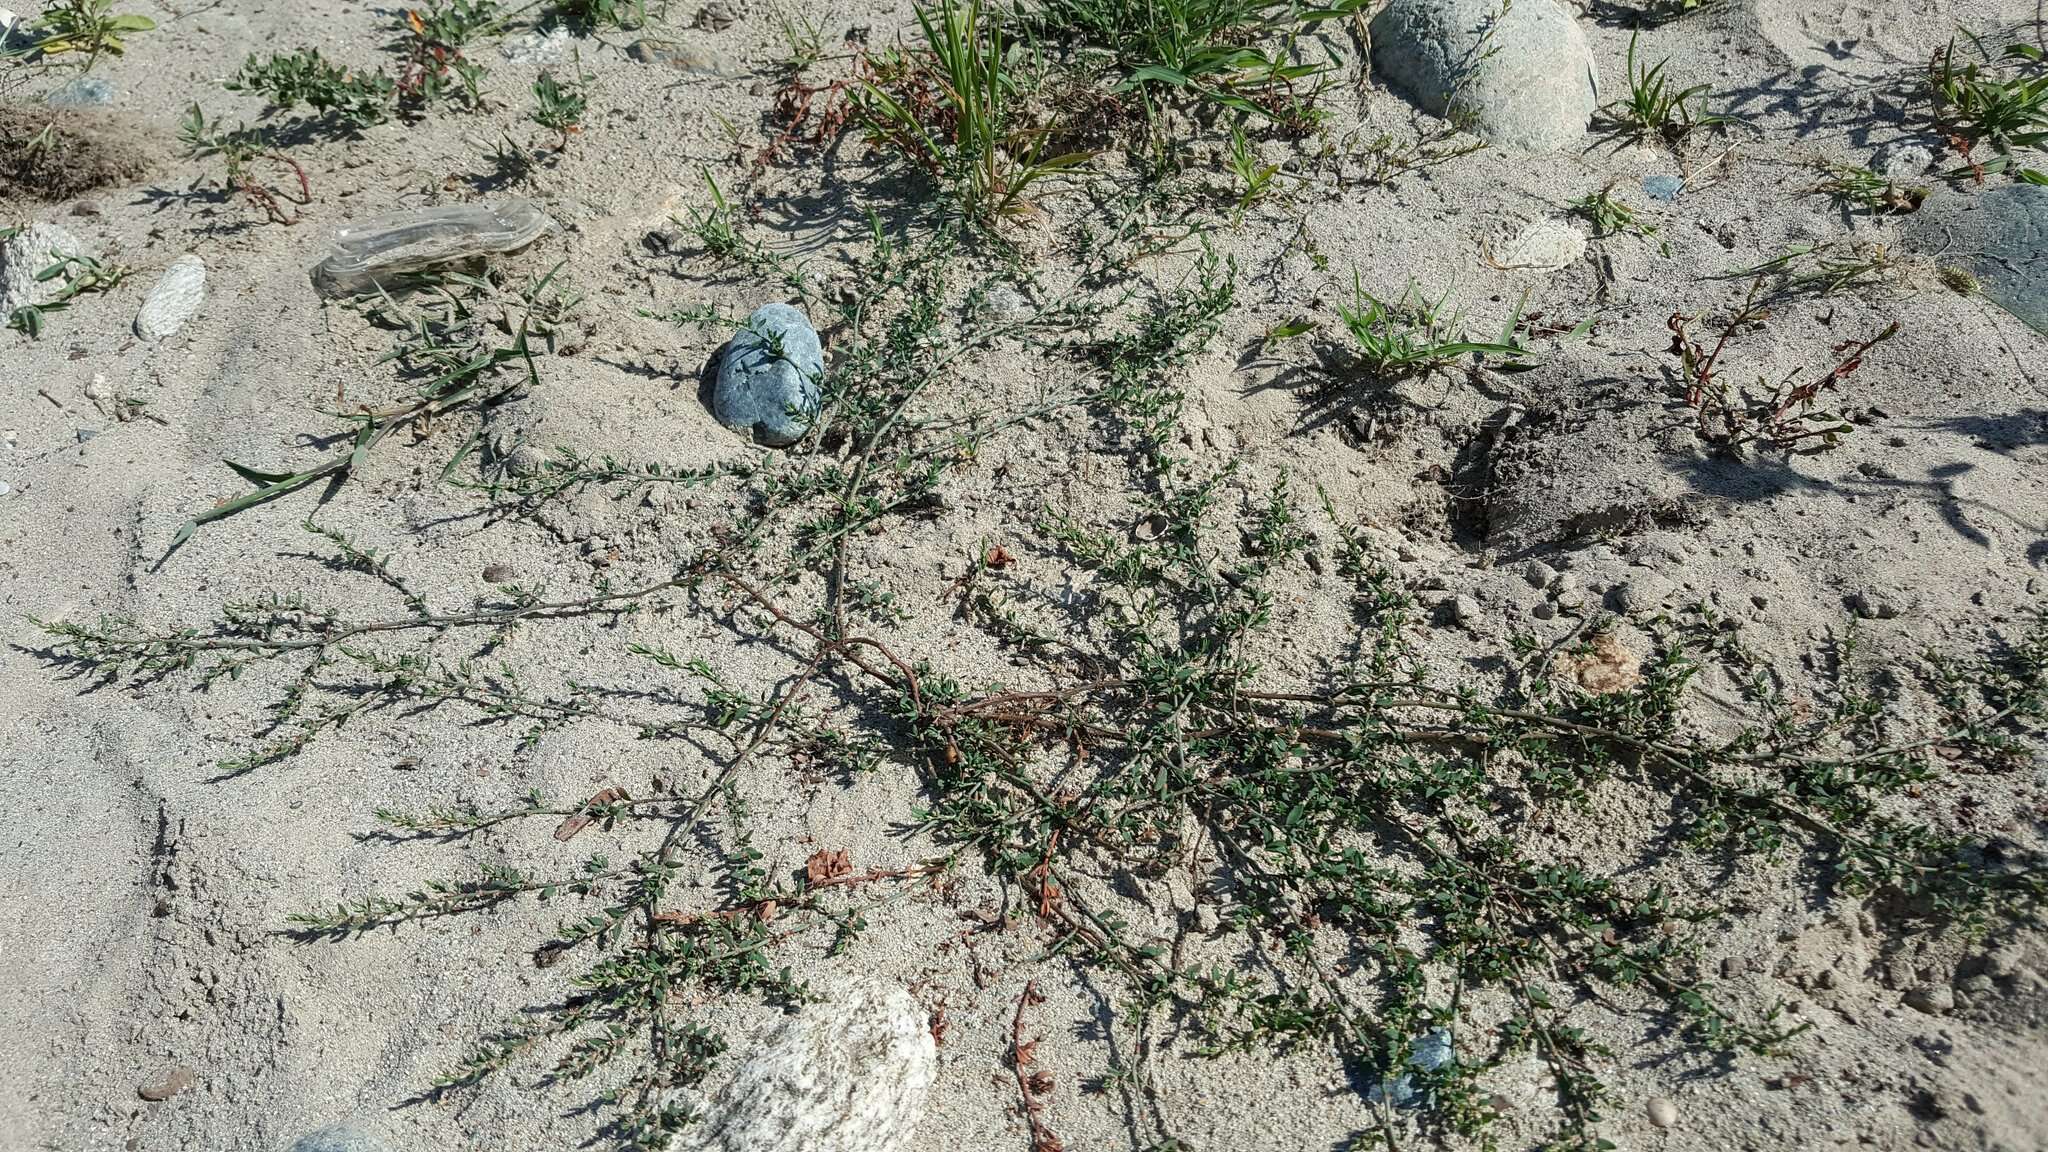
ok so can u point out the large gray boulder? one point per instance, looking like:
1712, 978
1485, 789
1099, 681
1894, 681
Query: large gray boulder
2000, 236
1517, 73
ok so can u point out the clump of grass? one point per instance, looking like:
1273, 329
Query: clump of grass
435, 40
1412, 334
1255, 177
950, 107
1609, 216
716, 229
1823, 269
559, 108
590, 15
2001, 103
1381, 847
1654, 106
1851, 186
1235, 54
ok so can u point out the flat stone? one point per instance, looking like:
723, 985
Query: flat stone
177, 1080
847, 1075
768, 382
1428, 1052
689, 59
1520, 74
339, 1138
1544, 245
2000, 236
1933, 999
175, 298
30, 251
1662, 186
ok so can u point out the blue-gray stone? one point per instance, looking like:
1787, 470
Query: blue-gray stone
1662, 186
1428, 1052
84, 92
2000, 235
339, 1138
768, 382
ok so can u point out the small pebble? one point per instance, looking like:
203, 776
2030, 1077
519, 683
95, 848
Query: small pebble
1933, 999
1663, 1113
1538, 574
174, 1082
497, 572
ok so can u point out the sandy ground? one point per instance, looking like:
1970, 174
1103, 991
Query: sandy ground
144, 889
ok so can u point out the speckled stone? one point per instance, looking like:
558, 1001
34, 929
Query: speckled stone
768, 382
28, 252
1522, 76
847, 1075
177, 295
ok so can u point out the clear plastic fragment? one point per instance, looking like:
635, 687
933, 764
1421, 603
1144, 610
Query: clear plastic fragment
369, 253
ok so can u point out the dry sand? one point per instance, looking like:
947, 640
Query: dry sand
144, 889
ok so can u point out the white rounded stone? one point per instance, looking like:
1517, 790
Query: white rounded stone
174, 299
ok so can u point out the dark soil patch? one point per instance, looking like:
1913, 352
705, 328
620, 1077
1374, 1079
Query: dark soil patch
55, 153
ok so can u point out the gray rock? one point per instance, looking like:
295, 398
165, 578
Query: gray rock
1465, 611
33, 249
174, 299
339, 1138
848, 1075
768, 382
1663, 1113
1872, 605
2004, 962
1905, 162
1517, 74
1933, 999
1642, 594
2000, 235
1538, 574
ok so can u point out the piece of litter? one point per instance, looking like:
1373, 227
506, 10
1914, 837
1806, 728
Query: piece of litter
375, 252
